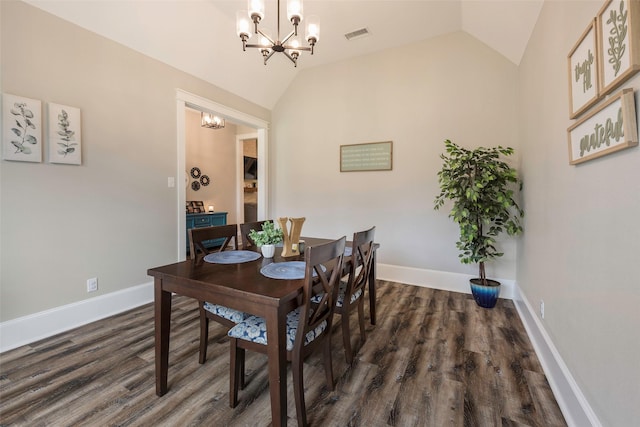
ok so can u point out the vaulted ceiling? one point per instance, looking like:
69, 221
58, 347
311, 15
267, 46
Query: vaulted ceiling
199, 36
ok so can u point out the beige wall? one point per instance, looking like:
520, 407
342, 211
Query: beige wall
114, 216
416, 96
213, 151
581, 244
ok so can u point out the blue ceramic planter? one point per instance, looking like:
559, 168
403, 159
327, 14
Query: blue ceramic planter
485, 296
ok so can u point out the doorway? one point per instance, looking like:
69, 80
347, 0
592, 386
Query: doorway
250, 179
188, 100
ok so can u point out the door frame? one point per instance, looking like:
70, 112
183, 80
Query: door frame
186, 99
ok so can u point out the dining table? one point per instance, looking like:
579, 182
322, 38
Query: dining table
243, 287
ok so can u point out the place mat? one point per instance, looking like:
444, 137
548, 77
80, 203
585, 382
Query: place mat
232, 257
288, 270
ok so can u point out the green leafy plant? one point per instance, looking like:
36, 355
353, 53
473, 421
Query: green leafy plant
270, 235
481, 187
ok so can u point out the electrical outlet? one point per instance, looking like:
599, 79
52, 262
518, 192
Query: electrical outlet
542, 309
92, 284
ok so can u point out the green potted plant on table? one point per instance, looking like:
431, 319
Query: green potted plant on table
267, 238
481, 187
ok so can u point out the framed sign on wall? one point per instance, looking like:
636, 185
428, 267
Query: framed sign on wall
609, 128
618, 25
373, 156
583, 72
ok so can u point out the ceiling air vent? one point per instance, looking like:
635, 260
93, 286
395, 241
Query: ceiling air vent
357, 34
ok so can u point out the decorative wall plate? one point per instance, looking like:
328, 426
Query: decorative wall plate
195, 185
204, 180
195, 173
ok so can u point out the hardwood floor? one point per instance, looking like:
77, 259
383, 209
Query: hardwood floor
434, 359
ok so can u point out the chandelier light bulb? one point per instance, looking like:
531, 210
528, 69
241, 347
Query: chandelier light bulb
313, 29
243, 24
294, 11
265, 38
256, 10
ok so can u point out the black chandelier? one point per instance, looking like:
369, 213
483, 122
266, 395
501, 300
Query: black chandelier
268, 45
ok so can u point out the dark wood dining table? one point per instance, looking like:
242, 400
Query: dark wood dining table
242, 287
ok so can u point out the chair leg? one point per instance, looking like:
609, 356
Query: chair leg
236, 361
328, 365
346, 336
363, 335
204, 335
298, 391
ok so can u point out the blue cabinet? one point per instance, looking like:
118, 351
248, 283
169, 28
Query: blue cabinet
206, 220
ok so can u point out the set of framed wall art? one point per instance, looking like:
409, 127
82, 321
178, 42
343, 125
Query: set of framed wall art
22, 131
606, 55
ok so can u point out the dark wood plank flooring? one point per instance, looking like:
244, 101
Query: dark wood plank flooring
434, 359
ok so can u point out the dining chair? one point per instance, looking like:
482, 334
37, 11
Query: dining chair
308, 327
245, 229
351, 290
226, 316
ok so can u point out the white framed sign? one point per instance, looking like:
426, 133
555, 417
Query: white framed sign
583, 72
371, 156
609, 128
618, 25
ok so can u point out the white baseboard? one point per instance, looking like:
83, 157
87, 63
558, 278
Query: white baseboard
25, 330
574, 406
455, 282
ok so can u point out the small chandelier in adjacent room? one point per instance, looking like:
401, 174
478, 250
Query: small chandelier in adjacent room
268, 45
212, 122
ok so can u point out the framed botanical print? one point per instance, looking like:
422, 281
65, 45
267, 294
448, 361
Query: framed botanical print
618, 42
65, 142
21, 128
583, 72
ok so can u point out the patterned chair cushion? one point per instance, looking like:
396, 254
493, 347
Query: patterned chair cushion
235, 316
341, 291
254, 329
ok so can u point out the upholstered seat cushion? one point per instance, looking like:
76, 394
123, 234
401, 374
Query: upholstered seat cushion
235, 316
341, 291
254, 328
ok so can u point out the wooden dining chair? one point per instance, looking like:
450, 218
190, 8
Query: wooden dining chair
245, 229
199, 239
226, 316
351, 290
308, 327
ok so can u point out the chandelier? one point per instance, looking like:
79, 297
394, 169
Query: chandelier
268, 45
210, 121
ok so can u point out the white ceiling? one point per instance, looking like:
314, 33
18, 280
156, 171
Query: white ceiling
199, 36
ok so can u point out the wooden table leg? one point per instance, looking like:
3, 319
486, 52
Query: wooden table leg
277, 359
162, 314
372, 290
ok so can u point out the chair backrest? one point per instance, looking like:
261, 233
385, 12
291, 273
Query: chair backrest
361, 261
198, 237
323, 268
245, 228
